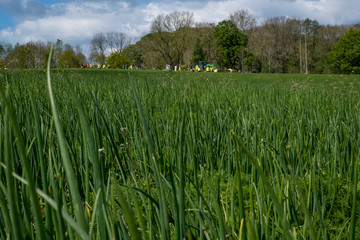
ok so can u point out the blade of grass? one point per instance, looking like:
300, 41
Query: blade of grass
354, 192
26, 165
241, 200
128, 213
79, 229
43, 166
285, 224
98, 176
164, 219
14, 211
70, 175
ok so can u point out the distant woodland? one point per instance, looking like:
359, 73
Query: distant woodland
241, 42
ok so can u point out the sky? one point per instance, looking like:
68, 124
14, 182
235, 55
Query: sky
76, 22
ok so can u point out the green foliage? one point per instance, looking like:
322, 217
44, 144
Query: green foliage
36, 54
69, 59
345, 56
22, 54
134, 53
165, 155
46, 58
251, 63
230, 41
171, 35
198, 53
81, 57
2, 51
117, 60
101, 58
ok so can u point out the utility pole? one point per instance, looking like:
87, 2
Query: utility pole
300, 51
306, 58
269, 60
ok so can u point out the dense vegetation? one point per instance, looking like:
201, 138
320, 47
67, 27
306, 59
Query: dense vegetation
345, 56
241, 42
174, 155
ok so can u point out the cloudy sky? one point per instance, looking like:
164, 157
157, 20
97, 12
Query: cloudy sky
75, 22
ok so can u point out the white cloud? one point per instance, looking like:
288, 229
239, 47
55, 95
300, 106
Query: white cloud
77, 22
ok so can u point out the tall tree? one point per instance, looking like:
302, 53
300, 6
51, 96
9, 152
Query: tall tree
309, 31
170, 35
229, 41
205, 32
69, 59
198, 53
142, 53
99, 44
328, 37
135, 54
58, 50
117, 41
345, 56
80, 55
274, 43
245, 23
117, 60
243, 20
22, 55
2, 56
2, 51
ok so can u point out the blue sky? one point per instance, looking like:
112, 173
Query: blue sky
75, 22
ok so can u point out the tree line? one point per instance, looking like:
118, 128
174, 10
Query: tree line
242, 42
36, 54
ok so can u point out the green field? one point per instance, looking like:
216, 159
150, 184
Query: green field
176, 155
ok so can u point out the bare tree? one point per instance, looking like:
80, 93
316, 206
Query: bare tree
309, 30
246, 24
99, 44
58, 50
110, 36
39, 53
80, 55
170, 35
274, 43
117, 41
243, 20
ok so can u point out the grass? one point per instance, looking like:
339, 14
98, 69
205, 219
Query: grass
99, 154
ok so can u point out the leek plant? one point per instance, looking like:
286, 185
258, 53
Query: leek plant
108, 154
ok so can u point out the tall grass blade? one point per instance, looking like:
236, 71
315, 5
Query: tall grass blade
10, 191
286, 226
164, 218
70, 175
39, 225
128, 213
354, 192
43, 166
93, 155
